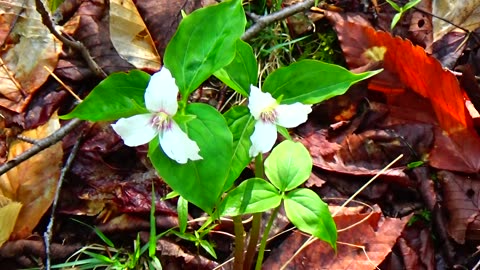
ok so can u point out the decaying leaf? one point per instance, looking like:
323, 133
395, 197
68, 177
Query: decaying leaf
131, 37
9, 211
462, 200
88, 23
28, 48
372, 231
463, 13
33, 182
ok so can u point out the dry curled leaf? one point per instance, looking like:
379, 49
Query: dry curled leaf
461, 13
33, 183
131, 37
28, 48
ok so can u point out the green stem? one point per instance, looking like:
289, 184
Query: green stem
256, 221
259, 169
239, 242
263, 244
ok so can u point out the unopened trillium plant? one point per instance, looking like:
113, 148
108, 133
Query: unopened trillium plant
201, 152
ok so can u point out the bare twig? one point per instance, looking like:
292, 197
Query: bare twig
47, 21
40, 145
262, 22
47, 236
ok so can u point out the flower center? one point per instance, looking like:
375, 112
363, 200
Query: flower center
269, 114
161, 121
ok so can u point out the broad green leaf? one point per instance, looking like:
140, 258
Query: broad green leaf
241, 124
311, 81
200, 182
289, 165
204, 42
119, 95
251, 196
242, 71
311, 215
182, 210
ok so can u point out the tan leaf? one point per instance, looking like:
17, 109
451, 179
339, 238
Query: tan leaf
33, 182
9, 212
463, 13
29, 47
130, 36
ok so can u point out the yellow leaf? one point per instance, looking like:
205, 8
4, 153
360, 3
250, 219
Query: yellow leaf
33, 183
8, 212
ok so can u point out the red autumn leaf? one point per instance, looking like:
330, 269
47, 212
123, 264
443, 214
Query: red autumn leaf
409, 67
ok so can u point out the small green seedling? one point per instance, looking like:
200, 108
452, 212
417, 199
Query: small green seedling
401, 10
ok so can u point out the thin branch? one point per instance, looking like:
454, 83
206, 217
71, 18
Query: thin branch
47, 21
40, 145
48, 233
262, 22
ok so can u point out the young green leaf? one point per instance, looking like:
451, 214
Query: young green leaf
411, 4
119, 95
182, 210
198, 49
311, 215
394, 5
289, 165
242, 71
200, 182
395, 20
152, 243
311, 81
208, 248
251, 196
241, 124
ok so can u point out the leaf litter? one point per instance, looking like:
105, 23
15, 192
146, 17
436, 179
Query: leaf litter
415, 108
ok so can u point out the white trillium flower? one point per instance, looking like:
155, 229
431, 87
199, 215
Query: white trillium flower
161, 102
268, 114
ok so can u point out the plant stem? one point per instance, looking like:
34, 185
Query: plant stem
263, 244
256, 221
239, 242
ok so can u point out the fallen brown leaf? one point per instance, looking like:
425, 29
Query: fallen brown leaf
376, 234
462, 200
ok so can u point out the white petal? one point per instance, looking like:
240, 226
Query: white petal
177, 146
292, 115
263, 138
135, 130
161, 93
258, 101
